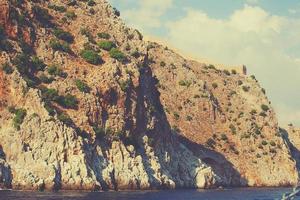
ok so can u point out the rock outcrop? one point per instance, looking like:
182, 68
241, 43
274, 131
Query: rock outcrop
85, 103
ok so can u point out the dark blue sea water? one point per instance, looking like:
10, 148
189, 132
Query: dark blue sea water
235, 194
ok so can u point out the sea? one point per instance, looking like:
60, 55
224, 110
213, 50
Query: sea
218, 194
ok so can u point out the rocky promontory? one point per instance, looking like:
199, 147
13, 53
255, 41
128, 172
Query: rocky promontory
86, 103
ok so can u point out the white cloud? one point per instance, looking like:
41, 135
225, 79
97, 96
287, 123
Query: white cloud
250, 36
148, 14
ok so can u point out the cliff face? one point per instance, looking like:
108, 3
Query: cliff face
85, 103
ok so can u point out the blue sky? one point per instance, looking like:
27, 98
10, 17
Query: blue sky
262, 34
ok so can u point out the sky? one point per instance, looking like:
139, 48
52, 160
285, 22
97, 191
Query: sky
264, 35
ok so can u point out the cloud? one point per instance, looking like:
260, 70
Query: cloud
148, 14
250, 36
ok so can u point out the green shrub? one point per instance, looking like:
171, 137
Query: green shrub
264, 142
265, 108
263, 114
65, 119
45, 79
253, 77
240, 82
56, 45
210, 143
63, 35
91, 57
103, 35
135, 54
272, 143
20, 115
22, 62
82, 86
125, 85
214, 85
185, 83
224, 137
263, 90
91, 3
49, 94
162, 64
246, 88
70, 15
37, 64
106, 45
7, 68
30, 81
99, 131
56, 71
253, 112
233, 129
72, 3
189, 118
117, 54
117, 12
233, 71
57, 8
211, 67
68, 101
258, 156
86, 32
176, 115
226, 72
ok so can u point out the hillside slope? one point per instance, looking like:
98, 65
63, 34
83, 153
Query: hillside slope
85, 103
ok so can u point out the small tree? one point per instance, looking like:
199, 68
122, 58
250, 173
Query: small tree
91, 57
106, 45
117, 54
65, 119
103, 35
82, 86
7, 68
214, 85
63, 35
56, 45
264, 107
68, 101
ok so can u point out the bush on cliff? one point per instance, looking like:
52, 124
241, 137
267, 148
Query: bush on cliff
117, 54
82, 86
91, 57
56, 45
63, 35
106, 45
103, 35
68, 101
265, 107
20, 114
65, 118
7, 68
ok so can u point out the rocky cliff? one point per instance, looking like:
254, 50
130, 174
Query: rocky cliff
86, 103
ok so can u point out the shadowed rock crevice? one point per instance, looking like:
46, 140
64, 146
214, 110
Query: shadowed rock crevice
5, 171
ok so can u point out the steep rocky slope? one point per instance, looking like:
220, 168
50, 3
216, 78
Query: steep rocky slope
85, 103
